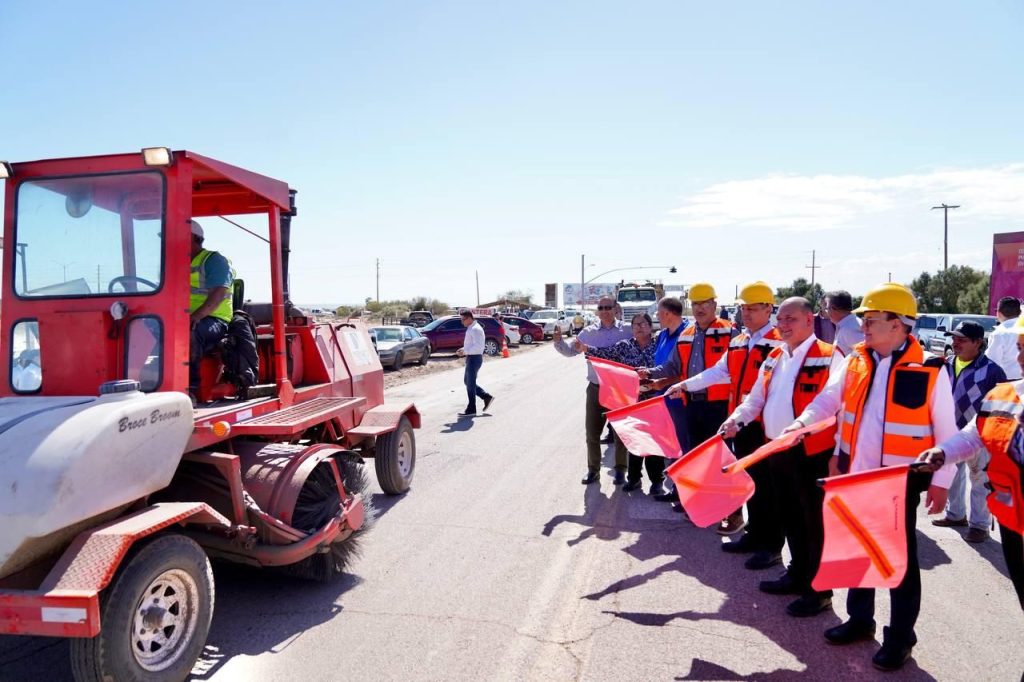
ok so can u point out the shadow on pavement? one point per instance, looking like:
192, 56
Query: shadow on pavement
259, 611
463, 423
593, 501
929, 554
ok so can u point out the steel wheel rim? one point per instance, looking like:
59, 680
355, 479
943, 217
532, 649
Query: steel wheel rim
492, 347
166, 618
404, 453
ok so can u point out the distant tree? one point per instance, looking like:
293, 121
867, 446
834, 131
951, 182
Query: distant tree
517, 295
434, 305
800, 287
958, 289
346, 311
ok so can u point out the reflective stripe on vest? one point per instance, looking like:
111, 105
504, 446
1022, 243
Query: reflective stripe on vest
907, 429
998, 421
744, 365
810, 381
199, 290
716, 342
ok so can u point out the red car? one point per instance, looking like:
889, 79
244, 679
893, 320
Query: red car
447, 333
528, 331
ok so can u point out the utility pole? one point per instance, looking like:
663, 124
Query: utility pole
477, 288
583, 296
890, 276
98, 279
378, 280
945, 232
812, 267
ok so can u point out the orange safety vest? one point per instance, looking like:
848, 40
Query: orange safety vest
998, 421
716, 343
743, 365
907, 427
810, 381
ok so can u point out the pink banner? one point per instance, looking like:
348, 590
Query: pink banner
707, 494
646, 429
620, 384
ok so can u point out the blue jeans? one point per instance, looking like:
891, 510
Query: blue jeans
206, 336
473, 391
956, 505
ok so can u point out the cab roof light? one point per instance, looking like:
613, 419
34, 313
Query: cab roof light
157, 156
5, 170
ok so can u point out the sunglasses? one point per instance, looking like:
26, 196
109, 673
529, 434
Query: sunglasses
606, 307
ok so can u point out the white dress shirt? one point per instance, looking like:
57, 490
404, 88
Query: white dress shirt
868, 446
1002, 349
474, 343
964, 443
776, 409
719, 372
848, 334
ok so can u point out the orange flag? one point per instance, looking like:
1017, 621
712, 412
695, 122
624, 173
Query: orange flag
707, 494
778, 445
646, 429
865, 530
620, 384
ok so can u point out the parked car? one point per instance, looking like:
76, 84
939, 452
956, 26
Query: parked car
448, 334
512, 334
940, 343
529, 331
398, 344
419, 318
549, 319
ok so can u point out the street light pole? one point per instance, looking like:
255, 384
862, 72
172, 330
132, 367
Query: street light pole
945, 232
583, 296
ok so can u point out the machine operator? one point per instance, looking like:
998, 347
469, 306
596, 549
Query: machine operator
210, 303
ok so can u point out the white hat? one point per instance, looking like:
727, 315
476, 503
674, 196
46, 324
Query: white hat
197, 229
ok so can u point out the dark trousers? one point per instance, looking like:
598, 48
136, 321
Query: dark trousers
703, 419
905, 598
764, 526
1013, 552
655, 468
473, 391
795, 477
206, 336
594, 425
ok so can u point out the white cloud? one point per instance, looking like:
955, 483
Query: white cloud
824, 202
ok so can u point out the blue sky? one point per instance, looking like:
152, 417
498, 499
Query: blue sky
446, 138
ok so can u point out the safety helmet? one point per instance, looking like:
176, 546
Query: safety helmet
890, 298
197, 229
756, 292
1018, 327
702, 291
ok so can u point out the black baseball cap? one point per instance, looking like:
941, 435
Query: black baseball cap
969, 330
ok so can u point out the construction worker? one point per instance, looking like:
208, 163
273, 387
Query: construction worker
700, 346
890, 403
737, 369
210, 302
999, 427
788, 380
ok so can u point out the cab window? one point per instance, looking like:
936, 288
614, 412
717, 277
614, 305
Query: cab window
26, 362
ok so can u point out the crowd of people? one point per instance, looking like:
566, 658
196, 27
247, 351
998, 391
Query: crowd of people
786, 366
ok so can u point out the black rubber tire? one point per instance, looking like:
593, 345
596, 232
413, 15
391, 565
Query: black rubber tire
387, 459
397, 364
108, 657
425, 356
526, 339
492, 347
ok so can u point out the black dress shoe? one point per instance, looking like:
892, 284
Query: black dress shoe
591, 477
809, 605
487, 402
891, 656
850, 631
783, 585
762, 560
666, 496
467, 413
741, 546
631, 485
657, 489
620, 478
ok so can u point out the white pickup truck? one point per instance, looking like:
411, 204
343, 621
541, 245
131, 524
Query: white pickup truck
550, 319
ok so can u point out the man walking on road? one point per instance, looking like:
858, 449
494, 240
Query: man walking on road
606, 332
473, 350
891, 404
1002, 343
973, 376
787, 381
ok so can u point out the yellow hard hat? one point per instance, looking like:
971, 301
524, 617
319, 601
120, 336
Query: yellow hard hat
756, 292
702, 291
1018, 327
889, 298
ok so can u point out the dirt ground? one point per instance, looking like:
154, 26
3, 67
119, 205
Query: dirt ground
443, 362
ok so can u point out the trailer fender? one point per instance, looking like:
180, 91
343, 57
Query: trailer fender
384, 419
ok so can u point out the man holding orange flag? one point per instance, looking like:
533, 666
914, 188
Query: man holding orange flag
788, 380
891, 404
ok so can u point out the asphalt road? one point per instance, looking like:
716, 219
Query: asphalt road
499, 565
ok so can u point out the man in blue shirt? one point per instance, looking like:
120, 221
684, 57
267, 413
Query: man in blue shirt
670, 318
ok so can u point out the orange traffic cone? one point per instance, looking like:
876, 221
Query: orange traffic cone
504, 346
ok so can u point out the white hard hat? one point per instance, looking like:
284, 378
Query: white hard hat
197, 229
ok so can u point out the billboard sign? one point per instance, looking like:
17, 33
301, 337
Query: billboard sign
1007, 267
594, 291
551, 295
